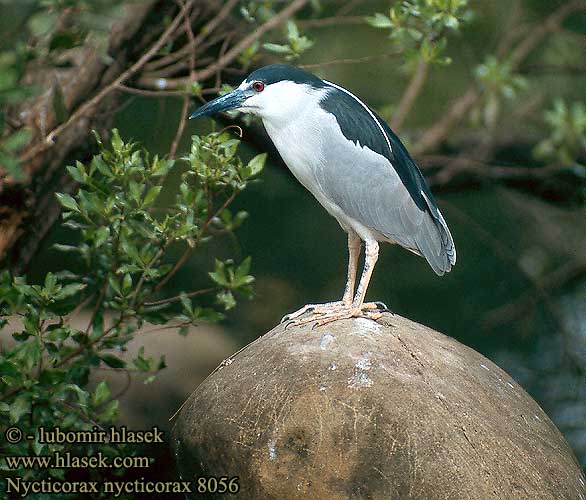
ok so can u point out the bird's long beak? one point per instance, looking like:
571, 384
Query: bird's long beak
231, 100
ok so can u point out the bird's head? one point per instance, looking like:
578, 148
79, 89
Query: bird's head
273, 92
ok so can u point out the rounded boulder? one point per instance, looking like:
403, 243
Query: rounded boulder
359, 409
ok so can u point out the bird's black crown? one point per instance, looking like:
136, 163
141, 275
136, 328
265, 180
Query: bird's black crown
284, 72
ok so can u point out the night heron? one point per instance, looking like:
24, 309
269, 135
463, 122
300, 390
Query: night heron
356, 167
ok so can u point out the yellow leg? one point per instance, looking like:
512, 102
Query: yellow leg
357, 309
329, 307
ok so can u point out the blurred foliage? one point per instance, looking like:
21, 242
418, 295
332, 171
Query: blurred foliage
566, 139
125, 238
419, 28
498, 82
296, 44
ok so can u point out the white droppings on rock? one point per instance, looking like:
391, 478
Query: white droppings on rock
364, 362
367, 326
272, 449
326, 341
485, 367
360, 378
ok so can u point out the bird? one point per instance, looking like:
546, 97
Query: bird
356, 167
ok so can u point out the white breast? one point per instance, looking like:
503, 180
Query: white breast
300, 144
305, 144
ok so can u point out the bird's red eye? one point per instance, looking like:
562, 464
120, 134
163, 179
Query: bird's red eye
258, 86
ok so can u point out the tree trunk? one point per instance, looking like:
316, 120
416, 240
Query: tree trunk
28, 208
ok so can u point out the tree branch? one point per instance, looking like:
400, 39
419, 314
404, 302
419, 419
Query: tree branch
439, 131
411, 92
233, 53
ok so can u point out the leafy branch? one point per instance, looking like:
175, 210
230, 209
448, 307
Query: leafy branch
123, 248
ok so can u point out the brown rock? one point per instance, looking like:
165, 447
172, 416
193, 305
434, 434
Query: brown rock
364, 410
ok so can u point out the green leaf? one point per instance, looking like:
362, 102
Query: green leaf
379, 21
101, 394
136, 190
67, 201
127, 283
110, 411
141, 363
219, 274
161, 167
226, 299
101, 166
21, 406
152, 195
75, 174
117, 142
82, 395
292, 30
113, 361
69, 290
276, 48
101, 236
256, 165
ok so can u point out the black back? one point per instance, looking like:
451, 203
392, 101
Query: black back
358, 126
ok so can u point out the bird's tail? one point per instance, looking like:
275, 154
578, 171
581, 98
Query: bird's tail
441, 257
448, 253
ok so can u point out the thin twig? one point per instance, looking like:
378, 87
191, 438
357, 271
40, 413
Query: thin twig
325, 22
168, 300
357, 60
151, 93
143, 276
187, 253
97, 306
410, 95
538, 33
204, 32
186, 100
553, 281
236, 50
451, 166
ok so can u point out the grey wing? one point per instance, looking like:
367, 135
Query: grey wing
367, 188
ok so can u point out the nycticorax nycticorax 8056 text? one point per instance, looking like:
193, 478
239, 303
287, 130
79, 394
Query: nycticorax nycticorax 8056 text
356, 167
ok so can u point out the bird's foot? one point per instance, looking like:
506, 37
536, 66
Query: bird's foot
314, 309
369, 310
